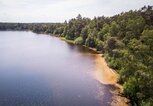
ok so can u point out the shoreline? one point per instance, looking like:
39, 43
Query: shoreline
106, 75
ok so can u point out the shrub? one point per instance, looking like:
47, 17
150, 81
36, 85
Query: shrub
79, 41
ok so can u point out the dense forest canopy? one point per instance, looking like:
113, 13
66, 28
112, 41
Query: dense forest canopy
125, 39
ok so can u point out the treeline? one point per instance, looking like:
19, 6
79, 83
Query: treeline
35, 27
126, 40
14, 26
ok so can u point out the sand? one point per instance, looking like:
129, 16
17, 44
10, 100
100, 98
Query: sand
105, 75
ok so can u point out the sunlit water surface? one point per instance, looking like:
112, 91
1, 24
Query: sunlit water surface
41, 70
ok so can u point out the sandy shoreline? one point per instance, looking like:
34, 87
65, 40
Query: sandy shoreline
105, 75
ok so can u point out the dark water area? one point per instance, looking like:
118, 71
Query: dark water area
41, 70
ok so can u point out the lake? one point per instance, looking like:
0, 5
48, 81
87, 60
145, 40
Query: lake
42, 70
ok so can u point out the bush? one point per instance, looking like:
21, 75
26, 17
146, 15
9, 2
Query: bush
79, 41
90, 42
130, 89
99, 45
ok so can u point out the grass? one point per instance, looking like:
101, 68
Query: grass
66, 40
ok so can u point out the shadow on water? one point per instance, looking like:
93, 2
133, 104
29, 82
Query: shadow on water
81, 49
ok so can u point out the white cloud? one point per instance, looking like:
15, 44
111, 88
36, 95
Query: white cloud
60, 10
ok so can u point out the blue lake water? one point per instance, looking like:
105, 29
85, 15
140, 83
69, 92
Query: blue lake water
41, 70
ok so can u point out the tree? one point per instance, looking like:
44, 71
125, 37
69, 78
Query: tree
90, 41
131, 88
79, 17
136, 26
84, 34
147, 39
103, 31
99, 45
114, 28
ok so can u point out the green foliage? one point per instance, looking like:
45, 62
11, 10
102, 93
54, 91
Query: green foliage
136, 26
79, 41
110, 43
103, 31
146, 103
90, 42
84, 34
99, 45
147, 38
131, 88
114, 29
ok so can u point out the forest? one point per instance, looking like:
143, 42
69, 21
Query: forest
125, 39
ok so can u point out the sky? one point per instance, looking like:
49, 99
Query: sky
61, 10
